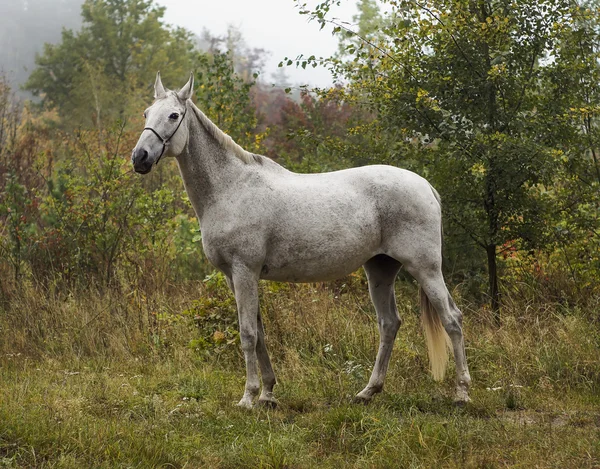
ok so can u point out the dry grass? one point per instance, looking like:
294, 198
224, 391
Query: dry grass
117, 379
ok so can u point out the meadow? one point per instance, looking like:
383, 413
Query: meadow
122, 379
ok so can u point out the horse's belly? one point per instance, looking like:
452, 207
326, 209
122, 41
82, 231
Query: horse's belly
304, 262
309, 271
322, 238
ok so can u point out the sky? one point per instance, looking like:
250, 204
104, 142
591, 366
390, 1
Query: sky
274, 25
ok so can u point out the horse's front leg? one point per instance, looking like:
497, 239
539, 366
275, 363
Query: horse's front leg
266, 369
245, 288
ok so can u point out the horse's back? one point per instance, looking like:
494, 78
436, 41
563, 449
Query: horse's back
395, 196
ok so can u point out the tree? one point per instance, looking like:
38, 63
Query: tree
105, 68
246, 61
25, 25
462, 81
368, 23
226, 99
572, 104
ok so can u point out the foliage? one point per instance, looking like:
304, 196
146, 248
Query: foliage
9, 116
368, 23
18, 229
107, 66
17, 182
573, 100
225, 98
246, 61
215, 317
322, 131
464, 86
90, 219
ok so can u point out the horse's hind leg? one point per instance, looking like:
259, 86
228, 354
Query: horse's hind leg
381, 273
432, 283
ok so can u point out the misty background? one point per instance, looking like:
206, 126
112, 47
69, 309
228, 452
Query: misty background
272, 28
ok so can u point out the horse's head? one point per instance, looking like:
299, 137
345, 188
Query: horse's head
165, 132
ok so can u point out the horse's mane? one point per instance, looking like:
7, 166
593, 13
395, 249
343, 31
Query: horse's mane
225, 140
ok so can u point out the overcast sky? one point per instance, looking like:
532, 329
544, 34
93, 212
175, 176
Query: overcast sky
274, 25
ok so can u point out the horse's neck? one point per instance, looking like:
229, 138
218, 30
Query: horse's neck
206, 167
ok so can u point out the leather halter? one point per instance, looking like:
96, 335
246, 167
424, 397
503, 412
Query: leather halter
165, 141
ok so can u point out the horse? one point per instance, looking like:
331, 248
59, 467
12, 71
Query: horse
260, 221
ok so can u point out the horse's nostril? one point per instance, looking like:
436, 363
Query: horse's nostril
139, 156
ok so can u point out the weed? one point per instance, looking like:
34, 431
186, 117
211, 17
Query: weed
84, 384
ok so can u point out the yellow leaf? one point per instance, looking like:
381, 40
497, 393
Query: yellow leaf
218, 337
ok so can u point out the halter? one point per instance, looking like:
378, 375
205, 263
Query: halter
165, 141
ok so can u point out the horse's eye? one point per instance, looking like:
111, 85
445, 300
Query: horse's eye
144, 115
174, 116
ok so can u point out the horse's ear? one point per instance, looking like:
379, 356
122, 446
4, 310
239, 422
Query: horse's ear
159, 89
186, 92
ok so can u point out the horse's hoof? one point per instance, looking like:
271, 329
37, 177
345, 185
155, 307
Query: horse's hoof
462, 400
245, 404
268, 403
361, 398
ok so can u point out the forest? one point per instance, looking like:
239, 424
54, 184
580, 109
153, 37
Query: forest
119, 342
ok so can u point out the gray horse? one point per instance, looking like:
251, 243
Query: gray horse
259, 220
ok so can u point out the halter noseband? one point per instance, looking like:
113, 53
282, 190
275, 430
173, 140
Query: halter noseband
165, 141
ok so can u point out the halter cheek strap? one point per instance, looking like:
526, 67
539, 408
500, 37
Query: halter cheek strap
165, 141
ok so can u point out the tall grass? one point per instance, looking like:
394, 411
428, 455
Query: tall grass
131, 378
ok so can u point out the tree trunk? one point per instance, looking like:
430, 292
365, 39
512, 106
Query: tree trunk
493, 280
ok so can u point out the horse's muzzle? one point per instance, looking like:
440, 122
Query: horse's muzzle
141, 162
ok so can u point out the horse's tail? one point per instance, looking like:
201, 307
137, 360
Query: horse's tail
436, 194
436, 337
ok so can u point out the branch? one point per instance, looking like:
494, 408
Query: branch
368, 42
424, 116
525, 86
471, 235
437, 18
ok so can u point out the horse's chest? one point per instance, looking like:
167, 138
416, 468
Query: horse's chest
226, 245
217, 249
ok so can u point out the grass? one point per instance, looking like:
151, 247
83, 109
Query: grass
119, 380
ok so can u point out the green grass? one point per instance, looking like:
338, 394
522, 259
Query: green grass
132, 393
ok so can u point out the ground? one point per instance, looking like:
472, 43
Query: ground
105, 393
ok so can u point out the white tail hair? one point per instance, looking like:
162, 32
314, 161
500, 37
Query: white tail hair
436, 337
